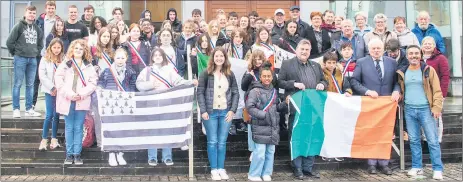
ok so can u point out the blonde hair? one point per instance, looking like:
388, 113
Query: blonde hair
87, 56
49, 56
209, 27
226, 67
430, 39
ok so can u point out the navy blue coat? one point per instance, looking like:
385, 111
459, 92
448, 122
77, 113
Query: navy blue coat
366, 78
107, 80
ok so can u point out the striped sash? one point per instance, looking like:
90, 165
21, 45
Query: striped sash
289, 45
235, 52
116, 79
336, 84
271, 100
55, 67
270, 48
107, 59
161, 79
254, 77
172, 62
79, 71
136, 52
212, 44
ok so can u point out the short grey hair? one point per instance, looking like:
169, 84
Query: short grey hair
360, 13
375, 41
304, 42
380, 16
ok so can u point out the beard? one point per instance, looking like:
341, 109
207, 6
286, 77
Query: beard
423, 27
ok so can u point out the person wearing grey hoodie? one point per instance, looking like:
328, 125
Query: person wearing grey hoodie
25, 43
405, 35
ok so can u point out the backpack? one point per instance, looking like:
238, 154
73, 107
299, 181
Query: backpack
88, 131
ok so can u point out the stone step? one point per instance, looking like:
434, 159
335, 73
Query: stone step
453, 119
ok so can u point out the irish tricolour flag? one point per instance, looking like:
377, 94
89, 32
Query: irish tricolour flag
332, 125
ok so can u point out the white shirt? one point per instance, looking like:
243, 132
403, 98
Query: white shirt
47, 26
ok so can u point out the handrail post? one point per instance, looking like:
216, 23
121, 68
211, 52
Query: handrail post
191, 147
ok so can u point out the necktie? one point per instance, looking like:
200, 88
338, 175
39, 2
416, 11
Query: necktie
378, 69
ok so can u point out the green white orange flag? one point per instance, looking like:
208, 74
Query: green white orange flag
329, 124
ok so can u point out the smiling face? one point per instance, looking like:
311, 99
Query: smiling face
303, 52
316, 21
263, 35
279, 18
295, 14
214, 28
347, 28
269, 24
56, 49
203, 26
328, 18
97, 24
114, 33
59, 26
266, 77
157, 57
428, 45
166, 38
51, 10
244, 22
78, 51
258, 23
219, 58
204, 42
72, 13
88, 14
120, 58
292, 28
399, 26
376, 49
423, 21
222, 21
135, 33
146, 25
105, 38
414, 56
258, 61
187, 29
237, 39
337, 22
121, 26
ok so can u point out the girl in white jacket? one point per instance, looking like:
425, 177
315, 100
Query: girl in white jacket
48, 65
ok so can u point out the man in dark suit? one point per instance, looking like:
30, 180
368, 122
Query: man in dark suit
298, 74
375, 75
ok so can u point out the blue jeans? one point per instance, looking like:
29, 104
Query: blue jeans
251, 144
23, 67
422, 118
262, 160
74, 128
50, 117
306, 163
217, 133
166, 154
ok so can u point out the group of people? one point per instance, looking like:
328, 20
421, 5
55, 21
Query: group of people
73, 58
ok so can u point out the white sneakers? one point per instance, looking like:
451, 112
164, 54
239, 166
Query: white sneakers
115, 160
54, 143
219, 174
267, 178
415, 172
120, 159
32, 113
215, 175
16, 113
223, 174
437, 175
43, 144
254, 178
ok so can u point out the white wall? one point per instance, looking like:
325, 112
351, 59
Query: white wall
189, 6
309, 6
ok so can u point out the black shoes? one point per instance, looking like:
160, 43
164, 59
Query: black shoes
372, 169
243, 127
386, 170
298, 174
312, 174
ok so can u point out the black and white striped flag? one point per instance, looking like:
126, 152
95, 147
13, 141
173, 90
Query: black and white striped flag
143, 120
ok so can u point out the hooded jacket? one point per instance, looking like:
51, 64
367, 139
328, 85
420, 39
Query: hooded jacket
85, 22
340, 80
441, 65
143, 14
431, 31
25, 40
248, 80
431, 86
407, 38
265, 125
176, 24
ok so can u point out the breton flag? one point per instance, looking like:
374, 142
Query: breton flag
143, 120
282, 55
329, 124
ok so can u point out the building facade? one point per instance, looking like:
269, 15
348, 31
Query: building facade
446, 15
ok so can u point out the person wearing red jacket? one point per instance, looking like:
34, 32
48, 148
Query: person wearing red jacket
433, 57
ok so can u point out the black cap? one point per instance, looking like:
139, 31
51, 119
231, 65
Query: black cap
294, 7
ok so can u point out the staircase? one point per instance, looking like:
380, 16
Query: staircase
21, 137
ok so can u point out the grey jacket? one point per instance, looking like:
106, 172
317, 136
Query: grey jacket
265, 125
359, 47
205, 93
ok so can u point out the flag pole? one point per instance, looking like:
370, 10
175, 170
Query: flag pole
401, 138
190, 148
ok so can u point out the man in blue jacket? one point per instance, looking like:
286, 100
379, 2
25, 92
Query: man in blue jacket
424, 28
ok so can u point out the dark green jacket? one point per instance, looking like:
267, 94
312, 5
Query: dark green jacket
25, 40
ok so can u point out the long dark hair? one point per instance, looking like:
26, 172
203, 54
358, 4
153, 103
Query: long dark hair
200, 41
54, 32
226, 67
286, 33
92, 23
163, 54
171, 35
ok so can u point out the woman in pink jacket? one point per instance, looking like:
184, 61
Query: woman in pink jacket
75, 81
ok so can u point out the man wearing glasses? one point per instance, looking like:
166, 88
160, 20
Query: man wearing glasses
148, 35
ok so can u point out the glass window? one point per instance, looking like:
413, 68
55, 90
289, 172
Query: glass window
19, 9
438, 10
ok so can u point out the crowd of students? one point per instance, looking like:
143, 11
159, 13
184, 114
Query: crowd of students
73, 58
